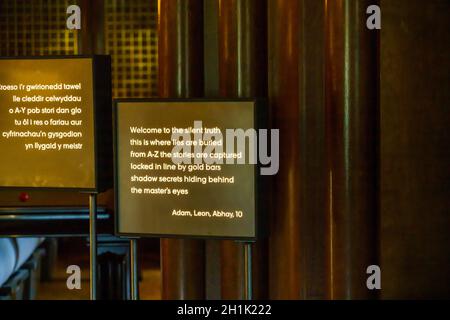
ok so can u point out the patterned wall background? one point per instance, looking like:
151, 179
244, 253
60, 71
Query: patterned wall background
131, 40
38, 27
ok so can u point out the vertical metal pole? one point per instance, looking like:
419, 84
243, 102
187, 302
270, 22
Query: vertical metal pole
248, 271
93, 245
134, 270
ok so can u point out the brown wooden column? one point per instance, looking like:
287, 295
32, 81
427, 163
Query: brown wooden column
299, 218
314, 222
284, 19
92, 33
242, 73
352, 90
180, 53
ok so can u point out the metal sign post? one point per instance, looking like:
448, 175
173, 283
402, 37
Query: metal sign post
236, 191
93, 245
134, 270
248, 271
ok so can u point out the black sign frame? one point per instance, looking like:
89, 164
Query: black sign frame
102, 123
260, 120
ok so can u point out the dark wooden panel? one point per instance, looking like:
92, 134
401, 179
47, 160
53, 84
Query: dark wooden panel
314, 220
415, 156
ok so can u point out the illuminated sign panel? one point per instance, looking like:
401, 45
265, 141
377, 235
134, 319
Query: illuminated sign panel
51, 110
176, 173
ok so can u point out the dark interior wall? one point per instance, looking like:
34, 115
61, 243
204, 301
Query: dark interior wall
415, 181
414, 155
415, 149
